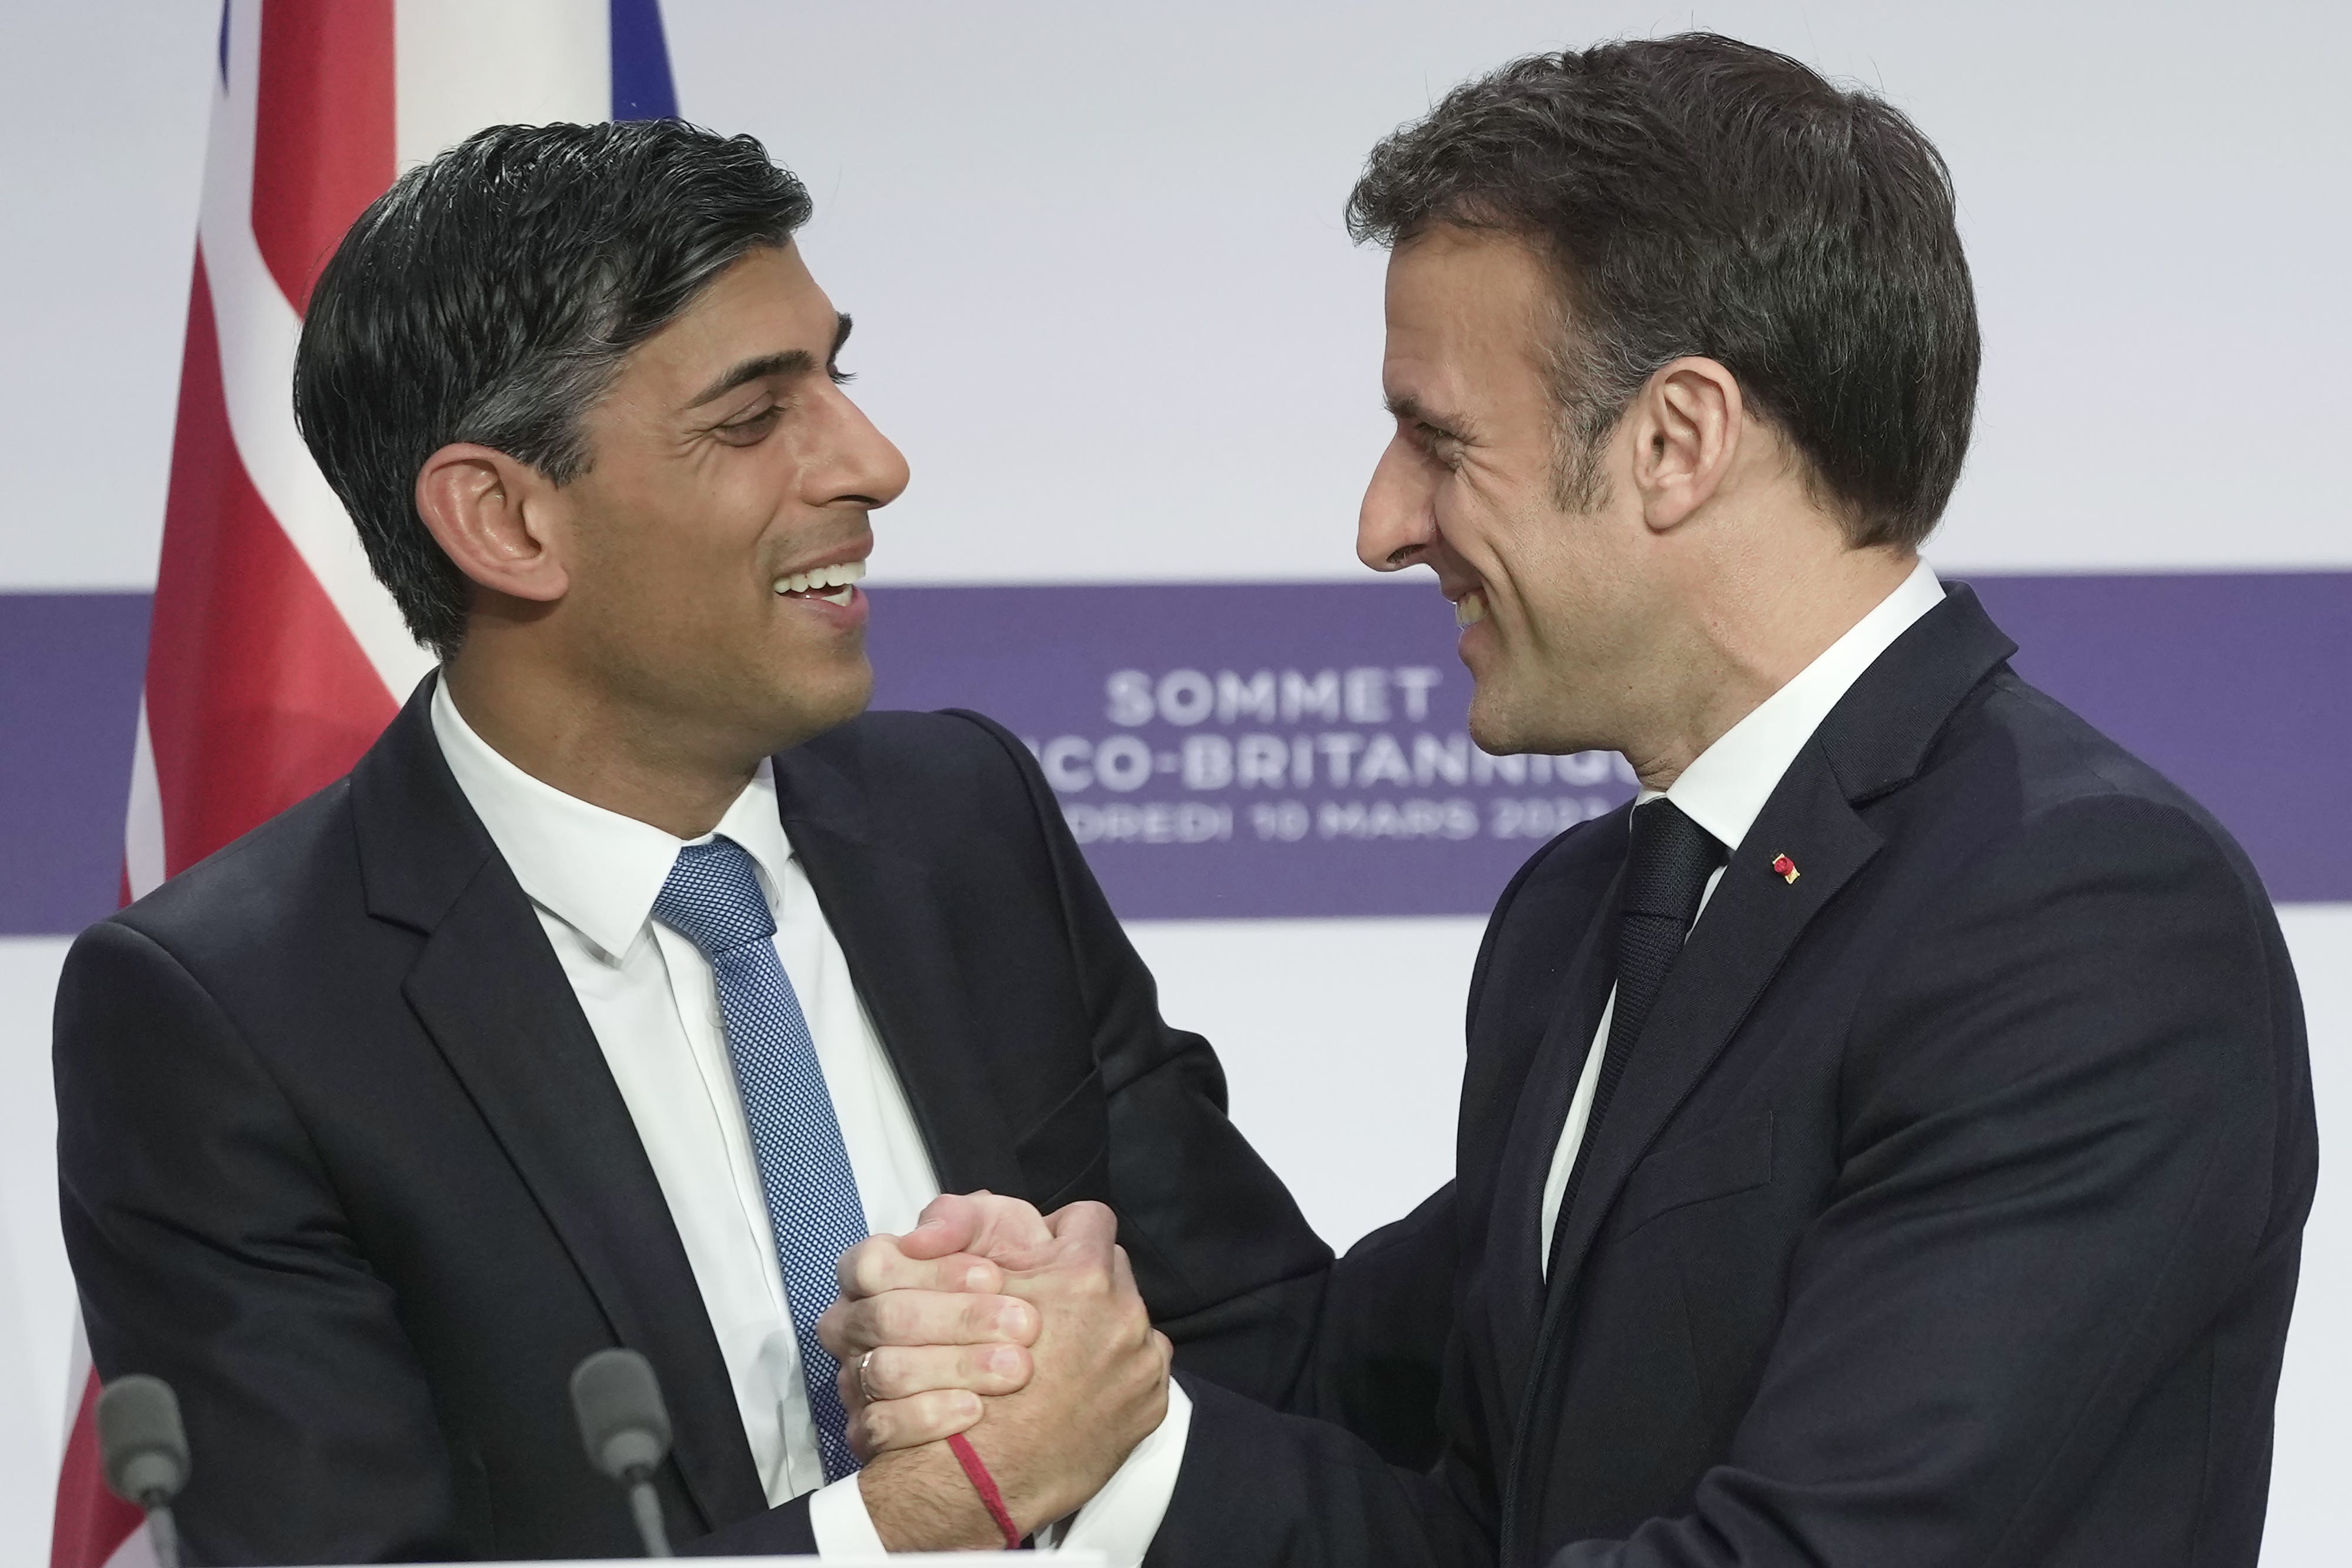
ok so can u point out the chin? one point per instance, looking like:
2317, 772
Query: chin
1504, 726
810, 706
1494, 726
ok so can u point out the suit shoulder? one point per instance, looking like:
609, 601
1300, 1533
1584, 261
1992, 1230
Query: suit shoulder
1593, 846
2017, 774
891, 751
265, 891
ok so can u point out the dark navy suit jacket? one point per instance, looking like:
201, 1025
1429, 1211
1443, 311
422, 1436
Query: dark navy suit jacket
1948, 1212
343, 1161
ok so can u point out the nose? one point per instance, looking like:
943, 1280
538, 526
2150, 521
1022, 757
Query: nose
868, 469
1398, 522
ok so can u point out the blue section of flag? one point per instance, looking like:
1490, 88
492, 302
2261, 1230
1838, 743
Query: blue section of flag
642, 88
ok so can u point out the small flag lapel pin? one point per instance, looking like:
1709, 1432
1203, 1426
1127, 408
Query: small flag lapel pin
1786, 866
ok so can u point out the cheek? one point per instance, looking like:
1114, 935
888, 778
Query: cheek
1510, 539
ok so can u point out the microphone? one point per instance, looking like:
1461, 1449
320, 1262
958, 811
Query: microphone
144, 1451
626, 1429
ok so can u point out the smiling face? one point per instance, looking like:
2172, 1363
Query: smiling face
1551, 596
712, 548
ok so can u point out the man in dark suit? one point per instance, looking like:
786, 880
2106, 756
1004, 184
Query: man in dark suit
631, 976
1887, 1140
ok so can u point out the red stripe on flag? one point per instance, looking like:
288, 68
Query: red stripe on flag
323, 133
257, 695
91, 1522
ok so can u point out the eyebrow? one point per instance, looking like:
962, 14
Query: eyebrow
1408, 407
788, 363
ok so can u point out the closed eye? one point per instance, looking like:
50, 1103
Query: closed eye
1442, 445
750, 429
1442, 442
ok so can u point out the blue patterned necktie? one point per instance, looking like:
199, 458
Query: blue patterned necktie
712, 899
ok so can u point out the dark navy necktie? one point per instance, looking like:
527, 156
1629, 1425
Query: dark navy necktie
713, 899
1667, 864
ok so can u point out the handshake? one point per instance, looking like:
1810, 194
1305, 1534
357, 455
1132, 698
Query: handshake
1025, 1331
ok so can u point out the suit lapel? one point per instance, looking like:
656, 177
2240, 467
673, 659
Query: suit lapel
1739, 944
1516, 1299
887, 914
1874, 740
490, 993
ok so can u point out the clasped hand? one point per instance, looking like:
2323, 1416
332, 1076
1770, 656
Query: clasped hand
1025, 1330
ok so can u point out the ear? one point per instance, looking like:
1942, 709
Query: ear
491, 514
1688, 419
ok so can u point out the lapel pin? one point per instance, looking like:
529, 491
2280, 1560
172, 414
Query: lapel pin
1786, 866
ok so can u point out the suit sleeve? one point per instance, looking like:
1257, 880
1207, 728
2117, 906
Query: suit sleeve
787, 1530
1236, 1277
1260, 1486
211, 1251
2060, 1124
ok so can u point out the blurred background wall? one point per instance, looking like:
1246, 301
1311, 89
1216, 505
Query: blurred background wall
1105, 305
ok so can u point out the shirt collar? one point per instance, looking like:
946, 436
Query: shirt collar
597, 871
1726, 786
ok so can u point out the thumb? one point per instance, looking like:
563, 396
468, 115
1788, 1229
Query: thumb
950, 1222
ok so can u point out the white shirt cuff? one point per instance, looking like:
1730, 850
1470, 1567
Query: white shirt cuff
1118, 1522
843, 1528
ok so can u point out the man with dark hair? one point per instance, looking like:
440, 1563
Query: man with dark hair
632, 976
1888, 1139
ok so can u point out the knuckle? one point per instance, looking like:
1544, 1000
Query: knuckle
851, 1270
988, 1365
867, 1268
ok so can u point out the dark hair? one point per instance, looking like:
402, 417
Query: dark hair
490, 295
1703, 196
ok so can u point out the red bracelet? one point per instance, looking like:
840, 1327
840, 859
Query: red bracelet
985, 1485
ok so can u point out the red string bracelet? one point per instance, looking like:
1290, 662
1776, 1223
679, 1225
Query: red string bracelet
985, 1485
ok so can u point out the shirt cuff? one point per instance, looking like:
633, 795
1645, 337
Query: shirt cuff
1121, 1519
1118, 1522
844, 1529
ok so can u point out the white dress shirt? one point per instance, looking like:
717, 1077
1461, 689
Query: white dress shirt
1723, 790
652, 1003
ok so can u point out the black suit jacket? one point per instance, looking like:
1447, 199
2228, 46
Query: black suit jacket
343, 1163
1948, 1212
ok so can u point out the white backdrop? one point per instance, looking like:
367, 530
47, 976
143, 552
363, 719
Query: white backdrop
1105, 304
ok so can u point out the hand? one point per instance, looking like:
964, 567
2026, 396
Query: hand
1099, 1387
921, 1330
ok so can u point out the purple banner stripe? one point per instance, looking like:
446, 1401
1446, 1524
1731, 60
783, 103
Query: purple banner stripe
70, 666
1298, 749
1246, 749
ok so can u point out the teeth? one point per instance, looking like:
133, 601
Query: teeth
822, 578
1470, 609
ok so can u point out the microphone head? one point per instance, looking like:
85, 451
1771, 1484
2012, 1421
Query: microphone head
140, 1443
623, 1421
